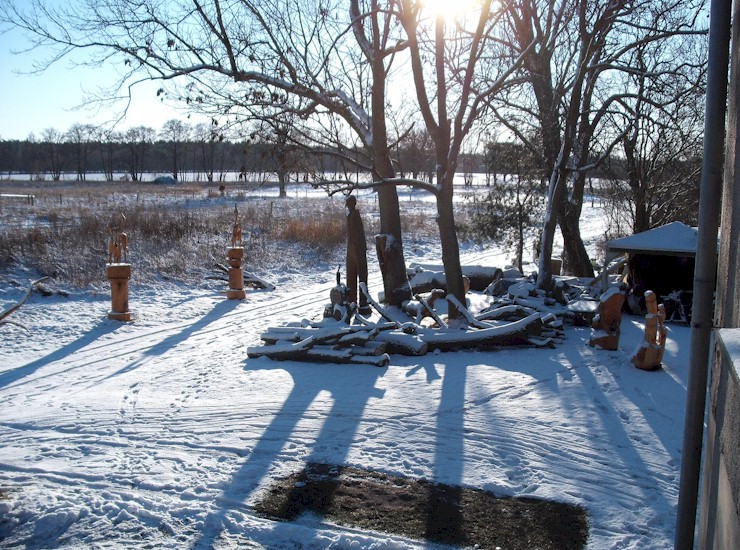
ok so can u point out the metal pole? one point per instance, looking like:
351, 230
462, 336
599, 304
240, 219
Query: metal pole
705, 271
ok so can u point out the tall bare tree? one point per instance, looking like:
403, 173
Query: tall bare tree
81, 137
581, 45
107, 145
176, 133
53, 139
333, 55
138, 142
655, 179
451, 93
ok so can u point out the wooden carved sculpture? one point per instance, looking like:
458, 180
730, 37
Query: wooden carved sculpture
117, 240
118, 273
236, 232
606, 324
356, 255
649, 354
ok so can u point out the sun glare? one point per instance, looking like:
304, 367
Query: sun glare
450, 9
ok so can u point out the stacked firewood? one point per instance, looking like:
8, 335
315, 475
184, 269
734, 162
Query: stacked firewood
368, 342
333, 341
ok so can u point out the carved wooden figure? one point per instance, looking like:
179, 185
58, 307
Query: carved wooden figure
235, 259
649, 354
118, 272
606, 324
356, 255
237, 236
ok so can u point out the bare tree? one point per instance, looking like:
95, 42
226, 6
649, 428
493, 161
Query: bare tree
209, 140
451, 97
581, 45
81, 137
53, 139
108, 142
138, 141
656, 178
415, 155
176, 133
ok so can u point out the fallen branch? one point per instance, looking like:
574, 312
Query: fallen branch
376, 305
472, 321
17, 306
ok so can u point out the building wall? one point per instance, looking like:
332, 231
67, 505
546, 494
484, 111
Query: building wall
728, 289
719, 527
720, 502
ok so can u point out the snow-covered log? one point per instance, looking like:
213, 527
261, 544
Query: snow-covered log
427, 309
505, 312
518, 332
423, 278
403, 343
471, 320
306, 350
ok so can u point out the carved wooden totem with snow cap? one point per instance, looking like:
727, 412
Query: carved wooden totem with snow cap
235, 259
649, 354
606, 324
118, 270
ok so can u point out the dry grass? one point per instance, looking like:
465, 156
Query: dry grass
174, 232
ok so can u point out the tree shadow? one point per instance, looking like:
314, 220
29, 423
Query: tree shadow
220, 310
101, 329
350, 387
444, 521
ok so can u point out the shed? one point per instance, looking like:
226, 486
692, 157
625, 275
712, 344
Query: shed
673, 239
660, 259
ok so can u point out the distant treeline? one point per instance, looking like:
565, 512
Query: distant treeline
131, 160
216, 160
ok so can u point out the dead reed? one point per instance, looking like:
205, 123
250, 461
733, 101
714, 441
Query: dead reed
175, 232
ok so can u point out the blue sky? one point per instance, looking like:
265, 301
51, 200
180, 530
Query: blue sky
30, 103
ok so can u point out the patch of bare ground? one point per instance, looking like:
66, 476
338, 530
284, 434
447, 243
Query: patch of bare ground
422, 510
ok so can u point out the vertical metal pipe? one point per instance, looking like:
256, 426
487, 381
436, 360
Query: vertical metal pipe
705, 271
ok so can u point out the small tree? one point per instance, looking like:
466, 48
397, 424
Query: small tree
512, 211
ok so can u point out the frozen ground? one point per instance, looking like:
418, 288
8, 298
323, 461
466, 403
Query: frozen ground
161, 433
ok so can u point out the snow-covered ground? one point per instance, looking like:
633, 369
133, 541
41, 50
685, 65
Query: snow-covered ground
161, 433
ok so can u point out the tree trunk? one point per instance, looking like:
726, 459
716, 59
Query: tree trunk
555, 201
448, 240
390, 254
576, 260
282, 177
575, 257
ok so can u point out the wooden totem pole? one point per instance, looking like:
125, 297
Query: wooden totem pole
649, 354
235, 259
118, 270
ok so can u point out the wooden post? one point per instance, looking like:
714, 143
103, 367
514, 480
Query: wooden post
119, 275
118, 271
235, 259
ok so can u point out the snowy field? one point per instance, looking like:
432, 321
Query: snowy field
161, 433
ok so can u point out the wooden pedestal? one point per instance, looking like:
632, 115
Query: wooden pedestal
235, 259
119, 275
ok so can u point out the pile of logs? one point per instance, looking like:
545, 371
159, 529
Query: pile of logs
369, 342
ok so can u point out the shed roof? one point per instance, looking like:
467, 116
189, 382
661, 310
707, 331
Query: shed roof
673, 239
